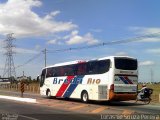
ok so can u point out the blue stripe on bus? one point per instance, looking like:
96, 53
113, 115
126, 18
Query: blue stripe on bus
77, 80
124, 80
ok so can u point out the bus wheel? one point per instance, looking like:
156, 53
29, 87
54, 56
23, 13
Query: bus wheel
84, 97
48, 93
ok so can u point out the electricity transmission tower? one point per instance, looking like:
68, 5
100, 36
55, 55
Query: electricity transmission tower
9, 70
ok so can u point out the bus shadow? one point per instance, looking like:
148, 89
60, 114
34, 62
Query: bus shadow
120, 103
107, 103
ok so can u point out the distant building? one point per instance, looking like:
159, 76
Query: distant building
23, 78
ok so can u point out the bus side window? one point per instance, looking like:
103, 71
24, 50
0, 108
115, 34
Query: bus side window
98, 67
70, 70
91, 67
49, 72
54, 73
81, 70
61, 71
103, 66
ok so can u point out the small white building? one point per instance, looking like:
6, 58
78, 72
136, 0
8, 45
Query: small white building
22, 78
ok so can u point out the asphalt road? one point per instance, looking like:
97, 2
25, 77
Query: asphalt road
59, 109
25, 111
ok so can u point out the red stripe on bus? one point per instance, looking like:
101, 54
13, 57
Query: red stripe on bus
64, 86
129, 81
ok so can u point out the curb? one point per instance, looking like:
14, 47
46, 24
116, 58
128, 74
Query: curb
29, 100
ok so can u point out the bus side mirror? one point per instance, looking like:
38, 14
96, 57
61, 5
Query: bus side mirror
38, 78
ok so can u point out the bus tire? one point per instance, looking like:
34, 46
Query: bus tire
84, 97
48, 93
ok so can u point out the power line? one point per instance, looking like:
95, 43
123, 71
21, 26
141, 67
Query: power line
30, 60
45, 51
139, 38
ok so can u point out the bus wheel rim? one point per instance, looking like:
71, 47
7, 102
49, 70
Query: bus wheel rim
85, 97
49, 94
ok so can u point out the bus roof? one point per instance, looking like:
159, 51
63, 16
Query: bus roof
81, 61
110, 57
66, 63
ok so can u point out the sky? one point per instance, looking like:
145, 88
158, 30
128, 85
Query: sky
61, 24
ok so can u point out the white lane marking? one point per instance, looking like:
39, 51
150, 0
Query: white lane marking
30, 100
31, 118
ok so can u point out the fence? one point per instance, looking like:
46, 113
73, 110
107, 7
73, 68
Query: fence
34, 88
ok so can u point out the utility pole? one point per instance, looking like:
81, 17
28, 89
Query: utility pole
45, 57
151, 76
23, 74
9, 70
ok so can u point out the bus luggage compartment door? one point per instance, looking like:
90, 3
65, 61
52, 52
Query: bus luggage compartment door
102, 92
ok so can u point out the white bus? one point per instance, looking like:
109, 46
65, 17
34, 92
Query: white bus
105, 79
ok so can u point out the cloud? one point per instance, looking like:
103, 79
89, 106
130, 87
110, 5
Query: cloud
154, 51
56, 40
52, 41
121, 54
74, 38
153, 34
150, 40
146, 63
1, 43
16, 16
51, 15
37, 47
145, 30
2, 50
25, 51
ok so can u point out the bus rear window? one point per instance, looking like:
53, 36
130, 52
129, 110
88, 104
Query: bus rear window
126, 63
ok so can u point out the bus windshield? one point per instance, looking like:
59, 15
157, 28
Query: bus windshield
125, 63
